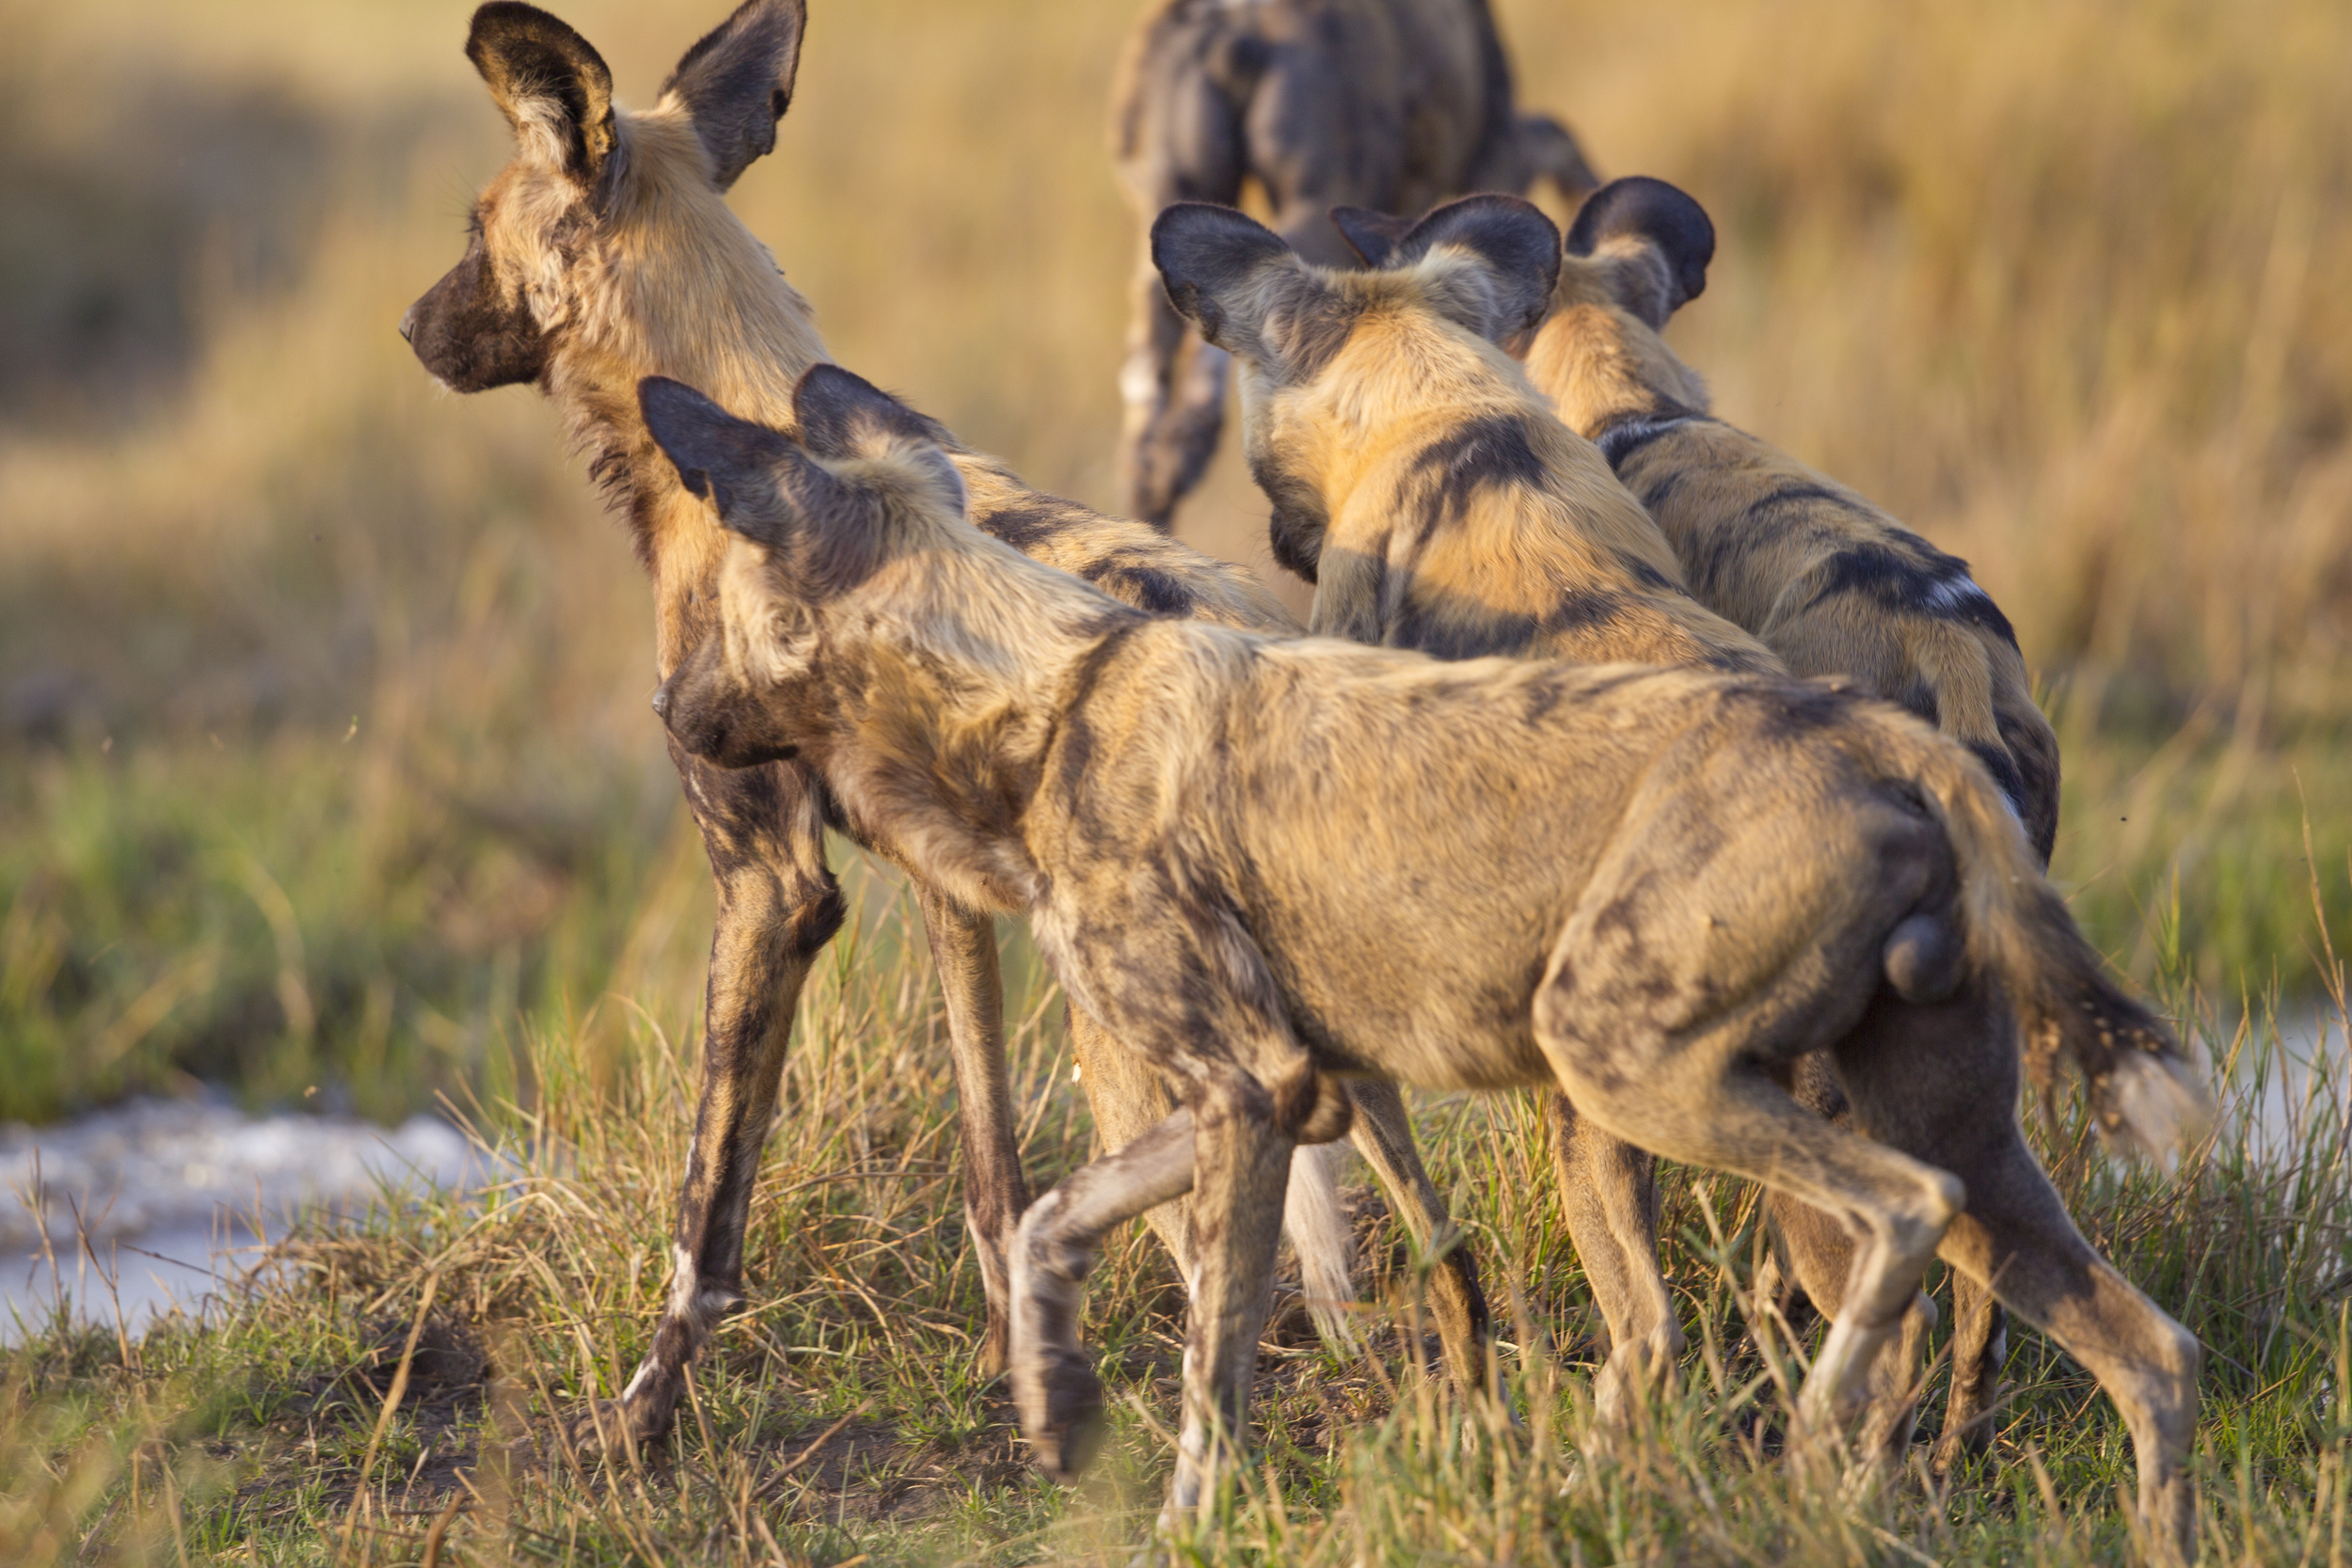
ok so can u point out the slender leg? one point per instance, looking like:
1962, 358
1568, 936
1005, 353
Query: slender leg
1129, 1099
2017, 1238
1705, 1101
1180, 141
1943, 1082
1240, 1163
1173, 385
1383, 1132
778, 906
1054, 1385
1979, 1345
963, 945
1821, 1258
1609, 1196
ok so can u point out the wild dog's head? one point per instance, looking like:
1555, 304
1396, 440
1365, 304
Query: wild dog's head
810, 532
557, 244
1328, 357
1637, 252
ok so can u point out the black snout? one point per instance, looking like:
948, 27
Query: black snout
662, 702
469, 336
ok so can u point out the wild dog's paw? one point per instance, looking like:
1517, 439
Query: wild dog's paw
635, 1421
1060, 1402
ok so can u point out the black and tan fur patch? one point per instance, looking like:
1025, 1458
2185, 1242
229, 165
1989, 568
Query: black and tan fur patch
1432, 495
1828, 581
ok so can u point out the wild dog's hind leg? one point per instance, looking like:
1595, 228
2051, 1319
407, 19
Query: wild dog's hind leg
1943, 1082
1383, 1134
1820, 1255
778, 906
1179, 141
1609, 1196
963, 945
1630, 1019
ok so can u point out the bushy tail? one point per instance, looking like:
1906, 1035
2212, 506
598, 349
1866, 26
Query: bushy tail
1317, 1223
2144, 1093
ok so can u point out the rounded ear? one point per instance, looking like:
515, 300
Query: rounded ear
1655, 214
1205, 253
738, 82
551, 83
731, 463
1511, 236
1373, 236
843, 414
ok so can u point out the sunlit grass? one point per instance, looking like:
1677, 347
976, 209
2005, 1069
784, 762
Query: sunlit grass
839, 1413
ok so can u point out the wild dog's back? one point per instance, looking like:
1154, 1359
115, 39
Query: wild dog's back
1828, 581
1418, 480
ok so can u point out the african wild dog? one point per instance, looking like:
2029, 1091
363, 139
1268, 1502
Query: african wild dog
1141, 566
1438, 504
1392, 104
605, 252
1827, 581
1655, 888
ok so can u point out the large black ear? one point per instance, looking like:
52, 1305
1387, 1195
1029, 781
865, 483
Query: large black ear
734, 464
1519, 244
551, 83
738, 82
1666, 220
1373, 236
1205, 254
844, 415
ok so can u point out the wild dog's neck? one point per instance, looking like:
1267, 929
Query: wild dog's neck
1602, 366
956, 671
674, 284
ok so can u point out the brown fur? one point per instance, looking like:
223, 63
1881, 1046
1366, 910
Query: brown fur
605, 251
1392, 104
1709, 877
1828, 581
1825, 579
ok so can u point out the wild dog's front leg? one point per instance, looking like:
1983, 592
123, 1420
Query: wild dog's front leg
963, 945
778, 906
1609, 1196
1173, 385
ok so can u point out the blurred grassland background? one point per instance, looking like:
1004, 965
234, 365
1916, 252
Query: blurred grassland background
323, 753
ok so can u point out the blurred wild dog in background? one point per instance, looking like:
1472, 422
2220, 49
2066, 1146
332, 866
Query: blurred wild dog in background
1655, 888
1389, 104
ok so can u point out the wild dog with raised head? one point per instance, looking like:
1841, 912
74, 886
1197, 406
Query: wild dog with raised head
1655, 889
1438, 503
1392, 103
604, 252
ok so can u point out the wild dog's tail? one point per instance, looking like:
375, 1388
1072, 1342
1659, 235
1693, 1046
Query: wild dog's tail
1316, 1224
2144, 1093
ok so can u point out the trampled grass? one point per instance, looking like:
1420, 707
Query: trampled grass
838, 1416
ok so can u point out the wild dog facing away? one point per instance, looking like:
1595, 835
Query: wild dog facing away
1389, 104
605, 252
1141, 566
1438, 504
1708, 875
1830, 583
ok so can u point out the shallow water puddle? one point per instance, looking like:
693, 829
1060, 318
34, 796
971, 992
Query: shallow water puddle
174, 1196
